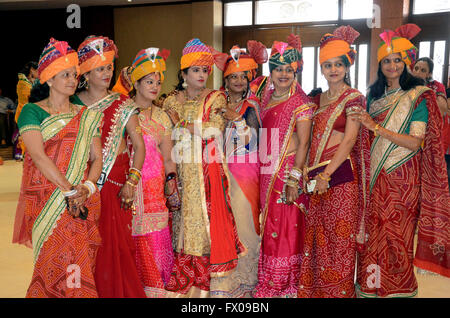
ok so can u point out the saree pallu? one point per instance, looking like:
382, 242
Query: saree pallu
336, 217
408, 188
151, 232
116, 273
205, 235
282, 228
243, 166
64, 248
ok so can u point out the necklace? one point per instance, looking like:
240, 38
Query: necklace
337, 94
52, 111
279, 97
392, 97
196, 98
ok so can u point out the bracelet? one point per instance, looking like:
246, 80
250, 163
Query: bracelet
68, 193
91, 187
240, 123
131, 183
292, 183
375, 131
295, 173
135, 170
321, 176
133, 177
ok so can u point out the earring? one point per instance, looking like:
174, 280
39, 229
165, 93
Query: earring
83, 83
185, 85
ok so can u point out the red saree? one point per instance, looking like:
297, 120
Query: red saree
412, 192
335, 218
65, 248
282, 227
116, 275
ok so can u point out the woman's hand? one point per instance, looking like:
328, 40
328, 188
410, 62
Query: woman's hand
291, 194
321, 186
173, 115
79, 198
228, 113
364, 118
126, 196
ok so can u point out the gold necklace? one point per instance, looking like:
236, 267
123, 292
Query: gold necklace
279, 97
337, 94
195, 99
51, 108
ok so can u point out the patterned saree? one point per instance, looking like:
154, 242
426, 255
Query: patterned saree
282, 225
408, 188
64, 248
335, 218
205, 235
243, 166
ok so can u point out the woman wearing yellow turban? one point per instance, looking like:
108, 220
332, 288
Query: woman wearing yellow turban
157, 193
408, 179
207, 244
116, 274
338, 168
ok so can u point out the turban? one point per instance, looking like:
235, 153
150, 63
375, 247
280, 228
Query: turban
289, 53
195, 53
56, 57
241, 61
96, 51
148, 61
338, 45
398, 42
123, 84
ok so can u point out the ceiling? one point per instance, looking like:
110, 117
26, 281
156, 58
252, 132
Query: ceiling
54, 4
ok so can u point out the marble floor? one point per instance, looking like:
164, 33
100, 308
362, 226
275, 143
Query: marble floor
16, 263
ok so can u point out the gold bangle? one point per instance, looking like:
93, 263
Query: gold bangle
321, 176
131, 183
375, 131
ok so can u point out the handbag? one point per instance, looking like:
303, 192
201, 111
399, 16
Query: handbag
344, 173
173, 200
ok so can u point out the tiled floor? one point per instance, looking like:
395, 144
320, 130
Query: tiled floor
16, 264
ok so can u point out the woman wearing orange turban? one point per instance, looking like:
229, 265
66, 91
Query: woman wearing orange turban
408, 179
338, 174
116, 274
59, 205
207, 244
241, 153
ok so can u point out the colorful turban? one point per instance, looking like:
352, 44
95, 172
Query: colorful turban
195, 53
148, 61
398, 42
286, 53
96, 51
56, 57
338, 44
123, 84
241, 61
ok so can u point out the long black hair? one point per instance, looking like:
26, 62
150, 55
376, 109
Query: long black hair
407, 81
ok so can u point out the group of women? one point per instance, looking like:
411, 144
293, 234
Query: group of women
253, 190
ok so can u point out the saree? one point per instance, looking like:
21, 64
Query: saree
116, 274
243, 166
205, 235
409, 190
64, 248
282, 225
336, 218
151, 232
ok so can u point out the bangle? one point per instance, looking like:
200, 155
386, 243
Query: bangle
91, 187
321, 176
131, 183
69, 193
134, 170
295, 173
375, 131
292, 183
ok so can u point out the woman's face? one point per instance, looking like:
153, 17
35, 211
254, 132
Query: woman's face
33, 75
334, 70
421, 70
392, 66
196, 76
100, 77
65, 82
149, 86
283, 76
237, 82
